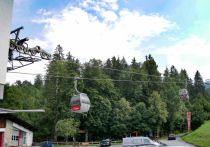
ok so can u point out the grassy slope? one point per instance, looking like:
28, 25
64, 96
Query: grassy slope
200, 137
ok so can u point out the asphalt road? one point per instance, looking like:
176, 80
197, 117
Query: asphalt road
119, 145
177, 142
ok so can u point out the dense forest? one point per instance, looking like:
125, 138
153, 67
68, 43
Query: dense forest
125, 98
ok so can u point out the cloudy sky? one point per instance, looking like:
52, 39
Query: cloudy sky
174, 32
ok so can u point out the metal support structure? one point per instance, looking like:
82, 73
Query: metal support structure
3, 110
186, 83
21, 55
75, 85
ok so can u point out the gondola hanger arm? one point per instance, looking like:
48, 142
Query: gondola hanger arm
75, 85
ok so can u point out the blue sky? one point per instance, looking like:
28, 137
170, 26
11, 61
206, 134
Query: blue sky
175, 32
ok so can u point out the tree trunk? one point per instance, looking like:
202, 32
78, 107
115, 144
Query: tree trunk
158, 131
74, 141
86, 136
55, 138
66, 139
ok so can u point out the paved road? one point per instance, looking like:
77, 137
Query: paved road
119, 145
177, 142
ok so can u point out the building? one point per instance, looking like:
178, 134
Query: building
14, 131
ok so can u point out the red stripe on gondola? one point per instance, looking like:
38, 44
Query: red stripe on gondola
75, 107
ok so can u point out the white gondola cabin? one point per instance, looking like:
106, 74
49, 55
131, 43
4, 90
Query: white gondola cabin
80, 103
183, 93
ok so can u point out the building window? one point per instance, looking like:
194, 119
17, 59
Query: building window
18, 137
14, 137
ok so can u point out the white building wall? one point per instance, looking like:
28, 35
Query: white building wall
8, 134
29, 134
2, 129
5, 23
29, 137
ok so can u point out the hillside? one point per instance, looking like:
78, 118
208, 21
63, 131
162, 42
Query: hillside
200, 136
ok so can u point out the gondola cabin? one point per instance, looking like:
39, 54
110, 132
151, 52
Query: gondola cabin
80, 103
183, 94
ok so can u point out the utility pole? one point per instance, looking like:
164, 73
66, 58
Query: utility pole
57, 102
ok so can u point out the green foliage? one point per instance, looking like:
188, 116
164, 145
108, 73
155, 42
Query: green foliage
134, 97
140, 117
199, 84
157, 110
149, 68
170, 95
120, 117
38, 83
58, 54
67, 128
200, 111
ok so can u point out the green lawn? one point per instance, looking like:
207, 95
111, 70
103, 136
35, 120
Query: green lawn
200, 137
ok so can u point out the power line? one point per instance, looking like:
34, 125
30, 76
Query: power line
106, 68
33, 74
114, 69
105, 79
120, 70
99, 79
137, 81
131, 72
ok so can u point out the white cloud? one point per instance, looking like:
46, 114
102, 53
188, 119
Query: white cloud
37, 67
105, 32
98, 5
192, 54
109, 16
44, 12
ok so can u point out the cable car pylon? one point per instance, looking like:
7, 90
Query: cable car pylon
80, 102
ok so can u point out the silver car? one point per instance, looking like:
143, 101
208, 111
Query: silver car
139, 142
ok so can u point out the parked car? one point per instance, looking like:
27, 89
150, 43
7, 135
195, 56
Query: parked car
47, 144
139, 141
171, 137
105, 142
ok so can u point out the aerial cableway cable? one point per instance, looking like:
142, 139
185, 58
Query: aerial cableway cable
99, 79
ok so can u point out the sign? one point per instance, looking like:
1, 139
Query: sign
189, 115
75, 107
